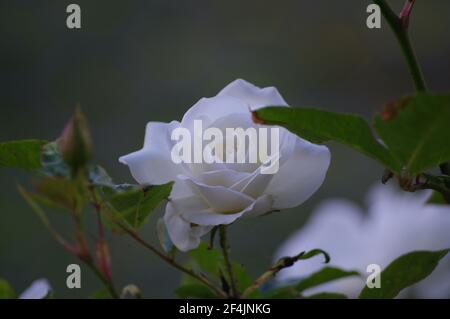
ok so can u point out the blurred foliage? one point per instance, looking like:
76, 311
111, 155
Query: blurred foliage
404, 272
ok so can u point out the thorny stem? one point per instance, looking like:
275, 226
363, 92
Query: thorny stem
79, 251
82, 252
400, 28
226, 256
406, 13
107, 281
271, 272
83, 255
171, 261
87, 260
98, 205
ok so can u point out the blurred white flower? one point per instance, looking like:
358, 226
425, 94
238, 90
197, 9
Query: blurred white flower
205, 195
39, 289
395, 223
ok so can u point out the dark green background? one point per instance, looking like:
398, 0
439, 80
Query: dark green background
139, 61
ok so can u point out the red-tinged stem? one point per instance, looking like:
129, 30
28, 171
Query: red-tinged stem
401, 33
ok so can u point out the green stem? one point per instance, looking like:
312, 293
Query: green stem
170, 260
258, 283
401, 33
98, 205
226, 256
438, 184
400, 30
271, 272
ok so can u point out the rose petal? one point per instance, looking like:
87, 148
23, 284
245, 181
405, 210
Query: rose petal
300, 176
181, 189
219, 198
223, 177
210, 109
259, 207
194, 210
253, 184
153, 164
181, 233
256, 183
252, 95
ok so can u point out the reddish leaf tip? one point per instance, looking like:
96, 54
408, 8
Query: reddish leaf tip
256, 119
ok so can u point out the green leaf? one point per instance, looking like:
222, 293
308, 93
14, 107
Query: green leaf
192, 288
437, 199
314, 252
52, 162
127, 203
134, 205
99, 177
289, 261
322, 276
320, 126
58, 192
243, 279
404, 272
6, 291
25, 154
327, 295
416, 130
209, 260
101, 294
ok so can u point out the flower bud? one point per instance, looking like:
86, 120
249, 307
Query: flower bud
75, 142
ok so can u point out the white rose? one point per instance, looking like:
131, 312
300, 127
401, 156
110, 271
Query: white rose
206, 195
394, 224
